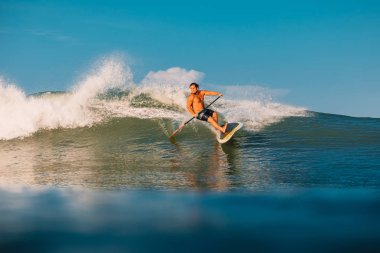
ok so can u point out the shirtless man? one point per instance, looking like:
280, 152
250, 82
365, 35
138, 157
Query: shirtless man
196, 106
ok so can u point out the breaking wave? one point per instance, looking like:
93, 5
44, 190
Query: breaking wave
108, 91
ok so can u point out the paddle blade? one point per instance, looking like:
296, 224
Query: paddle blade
177, 131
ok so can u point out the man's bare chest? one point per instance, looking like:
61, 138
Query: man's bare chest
198, 99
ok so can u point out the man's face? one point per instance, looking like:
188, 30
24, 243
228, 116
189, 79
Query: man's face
193, 89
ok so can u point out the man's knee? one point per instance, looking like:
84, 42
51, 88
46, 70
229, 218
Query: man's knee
210, 119
215, 116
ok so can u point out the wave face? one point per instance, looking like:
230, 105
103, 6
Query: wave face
108, 91
109, 132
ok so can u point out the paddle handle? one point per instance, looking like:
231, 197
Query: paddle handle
213, 101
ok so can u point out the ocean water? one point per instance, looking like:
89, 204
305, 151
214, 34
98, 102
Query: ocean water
93, 169
130, 153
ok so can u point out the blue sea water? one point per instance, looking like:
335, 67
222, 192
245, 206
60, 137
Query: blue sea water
323, 220
304, 184
93, 170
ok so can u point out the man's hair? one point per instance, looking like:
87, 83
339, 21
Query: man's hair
195, 84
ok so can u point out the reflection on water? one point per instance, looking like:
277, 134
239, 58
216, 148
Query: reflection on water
121, 158
135, 153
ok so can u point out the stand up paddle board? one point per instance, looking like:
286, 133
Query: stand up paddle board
232, 128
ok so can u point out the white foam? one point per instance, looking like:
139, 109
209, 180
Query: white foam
22, 116
170, 86
257, 114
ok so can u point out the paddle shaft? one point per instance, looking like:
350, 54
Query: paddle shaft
184, 124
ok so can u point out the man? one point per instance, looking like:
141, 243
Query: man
196, 106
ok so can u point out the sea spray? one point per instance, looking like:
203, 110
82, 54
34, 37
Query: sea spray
257, 114
107, 74
170, 86
253, 105
22, 115
108, 91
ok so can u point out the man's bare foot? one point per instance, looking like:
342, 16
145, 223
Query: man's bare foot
224, 128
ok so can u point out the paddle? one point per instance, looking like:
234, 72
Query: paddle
184, 124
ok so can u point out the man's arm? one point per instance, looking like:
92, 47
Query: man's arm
190, 105
211, 93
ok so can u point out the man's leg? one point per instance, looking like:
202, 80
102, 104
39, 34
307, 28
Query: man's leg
215, 117
214, 123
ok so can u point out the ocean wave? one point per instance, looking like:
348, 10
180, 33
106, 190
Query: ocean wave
108, 91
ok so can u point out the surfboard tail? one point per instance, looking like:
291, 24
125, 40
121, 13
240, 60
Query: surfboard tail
232, 128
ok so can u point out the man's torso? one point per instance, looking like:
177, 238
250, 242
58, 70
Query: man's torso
198, 102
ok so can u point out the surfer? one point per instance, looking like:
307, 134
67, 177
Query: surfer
195, 105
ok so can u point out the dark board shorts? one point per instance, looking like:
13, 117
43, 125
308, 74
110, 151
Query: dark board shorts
203, 115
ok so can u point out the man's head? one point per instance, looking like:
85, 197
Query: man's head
193, 88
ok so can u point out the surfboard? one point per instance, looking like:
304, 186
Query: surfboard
232, 128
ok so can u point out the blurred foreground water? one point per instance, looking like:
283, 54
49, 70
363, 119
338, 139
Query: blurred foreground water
67, 220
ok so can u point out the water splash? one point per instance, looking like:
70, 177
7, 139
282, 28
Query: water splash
108, 90
22, 115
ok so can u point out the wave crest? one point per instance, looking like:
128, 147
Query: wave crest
108, 91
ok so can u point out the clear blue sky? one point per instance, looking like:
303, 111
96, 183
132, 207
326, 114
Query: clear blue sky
325, 53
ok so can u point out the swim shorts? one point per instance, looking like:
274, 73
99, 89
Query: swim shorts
203, 115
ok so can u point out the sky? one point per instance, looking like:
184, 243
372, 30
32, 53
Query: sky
324, 54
